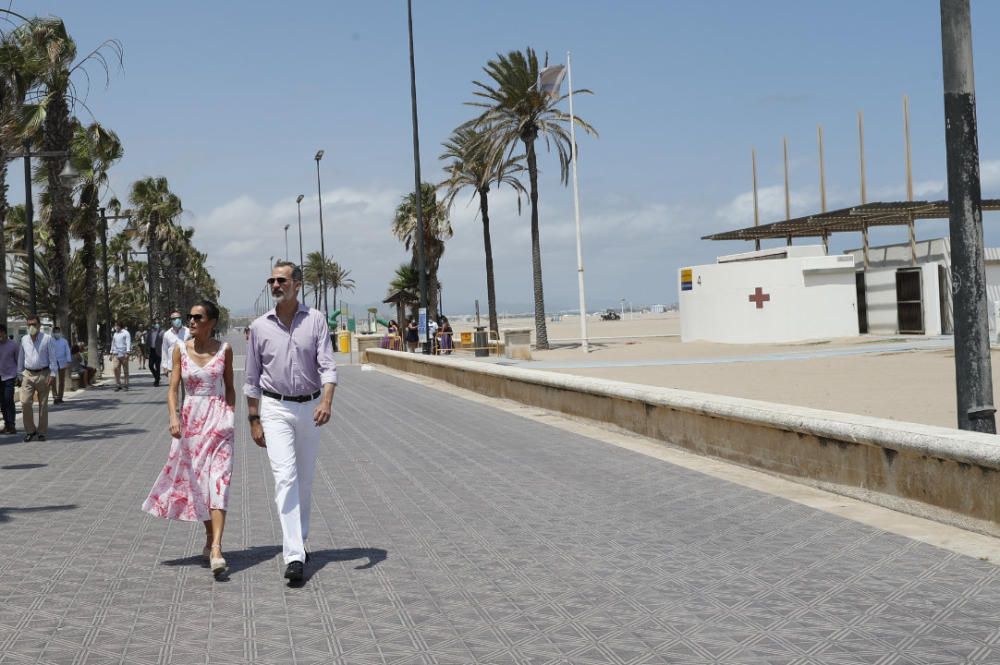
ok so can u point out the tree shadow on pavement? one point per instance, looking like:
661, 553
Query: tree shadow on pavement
63, 433
6, 510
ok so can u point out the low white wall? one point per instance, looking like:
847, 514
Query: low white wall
810, 297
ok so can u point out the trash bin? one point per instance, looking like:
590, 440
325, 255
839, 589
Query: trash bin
480, 341
344, 341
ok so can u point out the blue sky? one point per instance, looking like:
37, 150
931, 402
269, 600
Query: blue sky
231, 100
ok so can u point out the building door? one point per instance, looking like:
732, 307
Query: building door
909, 301
859, 279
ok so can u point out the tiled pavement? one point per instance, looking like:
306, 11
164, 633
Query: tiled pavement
450, 532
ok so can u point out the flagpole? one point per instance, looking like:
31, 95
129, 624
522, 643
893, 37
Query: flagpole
576, 208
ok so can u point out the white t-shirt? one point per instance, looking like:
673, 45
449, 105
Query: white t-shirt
121, 343
170, 339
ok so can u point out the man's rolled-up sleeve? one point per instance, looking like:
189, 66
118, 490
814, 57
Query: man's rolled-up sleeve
324, 354
251, 387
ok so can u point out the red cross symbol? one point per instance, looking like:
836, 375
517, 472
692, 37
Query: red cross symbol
759, 297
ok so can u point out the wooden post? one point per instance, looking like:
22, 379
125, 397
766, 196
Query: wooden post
822, 171
906, 137
864, 239
788, 207
756, 210
913, 241
861, 152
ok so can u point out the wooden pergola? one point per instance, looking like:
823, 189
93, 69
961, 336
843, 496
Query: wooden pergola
856, 219
400, 298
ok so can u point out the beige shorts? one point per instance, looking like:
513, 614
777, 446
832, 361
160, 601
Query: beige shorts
119, 361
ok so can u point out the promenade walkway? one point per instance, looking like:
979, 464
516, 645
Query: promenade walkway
446, 531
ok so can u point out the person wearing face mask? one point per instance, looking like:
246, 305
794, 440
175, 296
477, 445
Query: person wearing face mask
121, 347
36, 364
154, 344
177, 333
290, 380
8, 376
63, 359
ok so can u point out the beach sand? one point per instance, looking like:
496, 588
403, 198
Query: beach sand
912, 385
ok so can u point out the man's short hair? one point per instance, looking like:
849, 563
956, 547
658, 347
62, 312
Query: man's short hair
3, 329
32, 317
296, 270
56, 329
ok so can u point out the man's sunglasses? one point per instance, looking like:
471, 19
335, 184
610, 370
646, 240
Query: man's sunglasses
280, 280
196, 317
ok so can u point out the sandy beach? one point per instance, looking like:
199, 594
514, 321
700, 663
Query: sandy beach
885, 379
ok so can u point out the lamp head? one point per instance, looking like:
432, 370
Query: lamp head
319, 155
299, 198
69, 174
286, 226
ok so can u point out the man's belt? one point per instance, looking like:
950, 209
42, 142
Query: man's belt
43, 369
291, 398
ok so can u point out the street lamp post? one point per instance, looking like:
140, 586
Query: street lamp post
973, 367
422, 276
104, 260
322, 244
298, 204
286, 241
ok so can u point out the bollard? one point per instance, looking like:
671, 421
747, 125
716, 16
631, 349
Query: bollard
480, 341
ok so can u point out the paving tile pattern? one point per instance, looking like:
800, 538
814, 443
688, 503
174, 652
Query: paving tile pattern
447, 532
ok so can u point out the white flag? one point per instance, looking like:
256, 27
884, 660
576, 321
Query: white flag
549, 80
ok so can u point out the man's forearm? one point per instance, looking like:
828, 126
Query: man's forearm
328, 390
253, 406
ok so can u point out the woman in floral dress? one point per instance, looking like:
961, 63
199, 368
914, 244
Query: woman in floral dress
194, 484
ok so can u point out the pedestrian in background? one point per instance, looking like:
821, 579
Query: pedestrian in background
154, 344
290, 380
8, 377
121, 347
176, 333
412, 336
140, 348
63, 359
36, 365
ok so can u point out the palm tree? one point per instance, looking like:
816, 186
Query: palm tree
93, 150
471, 166
339, 278
51, 55
312, 274
437, 229
154, 207
516, 110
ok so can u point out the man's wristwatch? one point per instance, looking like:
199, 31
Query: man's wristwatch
253, 418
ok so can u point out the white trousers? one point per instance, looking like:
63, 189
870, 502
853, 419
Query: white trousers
292, 443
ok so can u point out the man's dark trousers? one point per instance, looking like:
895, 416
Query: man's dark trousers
7, 402
154, 366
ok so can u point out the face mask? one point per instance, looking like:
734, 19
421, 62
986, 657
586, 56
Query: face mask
32, 330
156, 326
57, 335
177, 323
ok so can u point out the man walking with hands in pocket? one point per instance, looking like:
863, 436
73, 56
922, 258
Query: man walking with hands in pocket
290, 380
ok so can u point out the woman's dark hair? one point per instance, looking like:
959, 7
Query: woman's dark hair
211, 309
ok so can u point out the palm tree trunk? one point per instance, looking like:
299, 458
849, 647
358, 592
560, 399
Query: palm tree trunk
88, 257
541, 333
153, 268
4, 293
57, 136
491, 294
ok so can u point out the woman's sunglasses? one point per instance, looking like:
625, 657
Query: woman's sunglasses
196, 317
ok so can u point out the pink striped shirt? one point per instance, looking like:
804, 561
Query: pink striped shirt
289, 361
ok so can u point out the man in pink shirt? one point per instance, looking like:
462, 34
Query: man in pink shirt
290, 380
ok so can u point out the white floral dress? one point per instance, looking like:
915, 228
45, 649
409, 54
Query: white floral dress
200, 464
